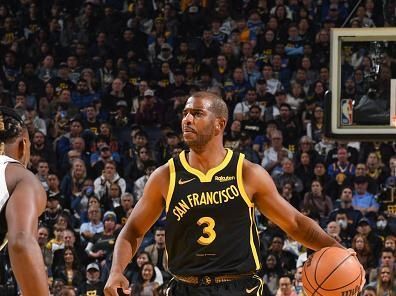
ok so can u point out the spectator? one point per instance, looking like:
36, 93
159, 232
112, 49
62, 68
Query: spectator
157, 252
364, 227
94, 226
93, 285
387, 258
69, 270
285, 287
363, 253
101, 244
384, 283
272, 272
109, 176
241, 110
275, 153
42, 173
72, 183
287, 175
317, 201
253, 125
42, 238
127, 203
140, 183
145, 284
363, 200
286, 258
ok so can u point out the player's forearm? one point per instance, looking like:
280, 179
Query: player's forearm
28, 265
124, 249
311, 235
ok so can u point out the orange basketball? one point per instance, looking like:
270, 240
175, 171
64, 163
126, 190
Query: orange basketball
332, 271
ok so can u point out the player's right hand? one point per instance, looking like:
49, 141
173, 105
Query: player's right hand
114, 282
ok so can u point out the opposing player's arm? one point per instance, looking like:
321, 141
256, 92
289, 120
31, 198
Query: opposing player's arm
261, 188
143, 216
25, 205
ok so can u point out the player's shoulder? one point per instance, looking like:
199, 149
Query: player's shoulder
17, 173
252, 171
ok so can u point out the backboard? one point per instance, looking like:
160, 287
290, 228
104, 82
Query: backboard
362, 100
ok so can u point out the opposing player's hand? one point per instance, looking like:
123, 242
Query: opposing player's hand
116, 281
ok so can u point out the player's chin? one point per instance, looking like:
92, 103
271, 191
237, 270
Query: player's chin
189, 137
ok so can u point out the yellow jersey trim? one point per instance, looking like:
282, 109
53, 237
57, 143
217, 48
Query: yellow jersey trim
252, 245
249, 203
209, 175
172, 181
5, 241
240, 181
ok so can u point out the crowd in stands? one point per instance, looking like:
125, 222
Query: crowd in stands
101, 86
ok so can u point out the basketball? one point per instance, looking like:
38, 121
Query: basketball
332, 271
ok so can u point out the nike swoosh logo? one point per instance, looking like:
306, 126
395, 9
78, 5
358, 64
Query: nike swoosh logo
181, 182
251, 290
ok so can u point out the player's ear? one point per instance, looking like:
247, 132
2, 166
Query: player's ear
22, 146
220, 125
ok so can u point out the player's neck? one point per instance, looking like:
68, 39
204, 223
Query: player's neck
206, 159
11, 153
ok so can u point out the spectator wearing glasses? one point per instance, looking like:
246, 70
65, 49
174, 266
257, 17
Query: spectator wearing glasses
275, 153
93, 226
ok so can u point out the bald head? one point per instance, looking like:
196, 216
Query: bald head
217, 104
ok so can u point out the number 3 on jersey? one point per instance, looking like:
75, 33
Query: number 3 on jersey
208, 230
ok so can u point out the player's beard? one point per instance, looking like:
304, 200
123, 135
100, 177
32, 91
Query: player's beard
201, 139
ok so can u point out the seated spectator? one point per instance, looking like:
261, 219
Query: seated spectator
304, 169
286, 258
112, 198
363, 200
94, 226
365, 228
101, 245
57, 242
390, 242
157, 252
387, 258
363, 253
347, 230
108, 177
72, 183
146, 284
69, 238
317, 201
253, 125
287, 175
105, 155
63, 143
69, 269
382, 227
241, 110
133, 273
93, 285
275, 153
82, 97
285, 287
127, 203
272, 272
140, 183
135, 168
384, 282
42, 239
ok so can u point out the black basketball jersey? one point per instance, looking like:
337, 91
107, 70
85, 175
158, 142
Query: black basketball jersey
210, 225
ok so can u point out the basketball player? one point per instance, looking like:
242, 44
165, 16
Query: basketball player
210, 194
22, 200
